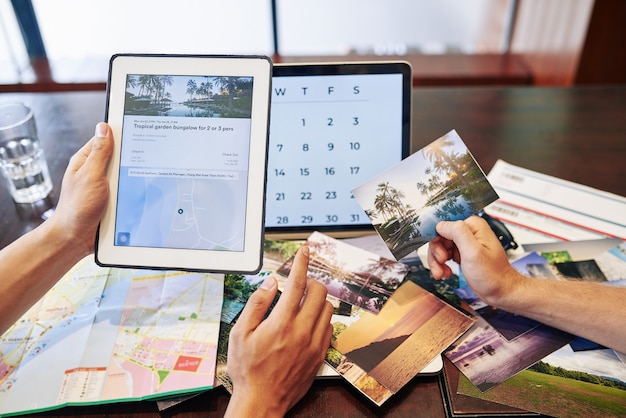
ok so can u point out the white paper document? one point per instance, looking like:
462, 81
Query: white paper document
541, 208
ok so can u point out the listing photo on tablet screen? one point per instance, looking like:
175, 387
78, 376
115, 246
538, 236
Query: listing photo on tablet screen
185, 179
167, 198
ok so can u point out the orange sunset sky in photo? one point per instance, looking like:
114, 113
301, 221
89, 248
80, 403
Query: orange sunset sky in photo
408, 309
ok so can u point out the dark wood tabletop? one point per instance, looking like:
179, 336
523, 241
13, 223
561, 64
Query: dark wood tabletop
577, 133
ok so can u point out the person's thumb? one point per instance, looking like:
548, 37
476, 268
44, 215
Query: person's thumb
443, 228
102, 147
103, 140
457, 231
258, 304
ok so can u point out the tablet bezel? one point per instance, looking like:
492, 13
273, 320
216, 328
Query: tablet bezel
247, 261
346, 68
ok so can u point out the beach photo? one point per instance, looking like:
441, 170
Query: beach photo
408, 333
363, 382
442, 181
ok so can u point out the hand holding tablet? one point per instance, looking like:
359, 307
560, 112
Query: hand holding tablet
187, 176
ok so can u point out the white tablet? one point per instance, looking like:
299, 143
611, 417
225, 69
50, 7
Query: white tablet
187, 176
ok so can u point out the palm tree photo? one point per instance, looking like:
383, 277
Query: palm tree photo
188, 96
440, 182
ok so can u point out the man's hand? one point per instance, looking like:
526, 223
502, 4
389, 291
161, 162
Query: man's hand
85, 190
474, 246
272, 362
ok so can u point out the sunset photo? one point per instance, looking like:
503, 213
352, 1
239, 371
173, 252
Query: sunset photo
409, 332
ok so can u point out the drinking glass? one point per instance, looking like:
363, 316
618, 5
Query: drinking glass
22, 160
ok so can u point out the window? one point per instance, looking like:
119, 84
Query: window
81, 35
14, 62
391, 27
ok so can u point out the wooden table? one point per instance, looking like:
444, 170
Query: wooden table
578, 134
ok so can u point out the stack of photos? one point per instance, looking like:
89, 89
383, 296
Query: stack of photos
391, 319
487, 358
440, 182
578, 379
501, 345
393, 329
237, 290
379, 354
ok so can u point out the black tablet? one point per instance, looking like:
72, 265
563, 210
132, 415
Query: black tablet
332, 127
187, 176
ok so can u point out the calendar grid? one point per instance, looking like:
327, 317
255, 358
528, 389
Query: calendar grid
329, 134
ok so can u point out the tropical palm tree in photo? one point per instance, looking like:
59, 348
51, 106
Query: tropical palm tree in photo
445, 162
378, 268
388, 202
205, 89
161, 83
192, 87
229, 85
145, 84
433, 185
131, 82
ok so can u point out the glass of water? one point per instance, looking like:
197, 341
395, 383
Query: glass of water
22, 160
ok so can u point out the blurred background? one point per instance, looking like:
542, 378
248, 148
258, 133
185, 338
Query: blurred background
66, 44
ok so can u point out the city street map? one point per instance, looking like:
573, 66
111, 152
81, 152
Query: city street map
109, 334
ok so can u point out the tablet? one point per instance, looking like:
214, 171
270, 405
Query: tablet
333, 127
187, 175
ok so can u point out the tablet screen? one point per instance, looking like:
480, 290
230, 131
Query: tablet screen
188, 172
184, 162
333, 127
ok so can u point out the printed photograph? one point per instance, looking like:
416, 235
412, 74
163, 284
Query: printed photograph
278, 252
487, 359
444, 288
587, 270
440, 182
556, 256
352, 373
237, 290
408, 333
509, 325
351, 274
363, 382
188, 96
563, 384
613, 263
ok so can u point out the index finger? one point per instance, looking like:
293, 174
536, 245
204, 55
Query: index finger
296, 284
